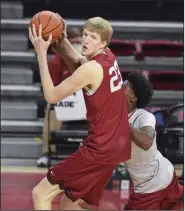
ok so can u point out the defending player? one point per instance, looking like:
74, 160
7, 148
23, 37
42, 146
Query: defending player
86, 172
156, 185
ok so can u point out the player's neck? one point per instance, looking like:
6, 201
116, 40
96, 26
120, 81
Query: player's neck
100, 51
131, 108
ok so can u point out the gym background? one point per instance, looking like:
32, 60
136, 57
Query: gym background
148, 37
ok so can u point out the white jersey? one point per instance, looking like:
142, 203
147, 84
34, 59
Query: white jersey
149, 170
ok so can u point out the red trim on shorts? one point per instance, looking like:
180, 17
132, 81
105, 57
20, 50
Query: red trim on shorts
69, 195
61, 183
67, 192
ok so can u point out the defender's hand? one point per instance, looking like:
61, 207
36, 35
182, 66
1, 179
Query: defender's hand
57, 46
64, 34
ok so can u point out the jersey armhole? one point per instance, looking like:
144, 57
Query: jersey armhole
92, 92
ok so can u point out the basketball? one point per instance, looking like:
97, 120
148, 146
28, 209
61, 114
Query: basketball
51, 24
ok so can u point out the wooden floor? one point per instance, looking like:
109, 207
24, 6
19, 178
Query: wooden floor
17, 184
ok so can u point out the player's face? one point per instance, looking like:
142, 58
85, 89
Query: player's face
131, 98
91, 43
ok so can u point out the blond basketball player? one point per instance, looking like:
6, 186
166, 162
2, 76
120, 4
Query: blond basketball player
84, 175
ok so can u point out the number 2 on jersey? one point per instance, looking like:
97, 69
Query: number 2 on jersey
114, 70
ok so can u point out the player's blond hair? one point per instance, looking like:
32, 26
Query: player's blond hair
100, 26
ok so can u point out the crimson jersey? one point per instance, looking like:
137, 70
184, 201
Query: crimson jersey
58, 70
109, 132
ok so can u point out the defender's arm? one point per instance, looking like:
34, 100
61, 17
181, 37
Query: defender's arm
144, 135
70, 56
143, 138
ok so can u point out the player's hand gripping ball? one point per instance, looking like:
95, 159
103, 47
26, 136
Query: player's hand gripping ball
51, 22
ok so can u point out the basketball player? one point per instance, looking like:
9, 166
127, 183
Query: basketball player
84, 175
156, 186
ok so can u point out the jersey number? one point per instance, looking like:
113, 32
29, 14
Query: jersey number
114, 70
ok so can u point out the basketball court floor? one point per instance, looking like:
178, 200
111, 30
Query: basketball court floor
17, 184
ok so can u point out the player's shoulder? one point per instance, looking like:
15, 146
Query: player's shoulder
110, 54
56, 64
104, 60
55, 59
144, 118
91, 66
144, 113
147, 116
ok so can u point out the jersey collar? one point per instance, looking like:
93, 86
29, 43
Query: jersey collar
130, 114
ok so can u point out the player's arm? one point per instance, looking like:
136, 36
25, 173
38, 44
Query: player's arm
143, 137
83, 76
70, 56
63, 47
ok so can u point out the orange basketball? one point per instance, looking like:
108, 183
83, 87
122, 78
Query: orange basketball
51, 24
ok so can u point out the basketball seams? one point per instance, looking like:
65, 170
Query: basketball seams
47, 24
53, 29
45, 18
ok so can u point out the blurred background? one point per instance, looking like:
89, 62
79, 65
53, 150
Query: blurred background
148, 38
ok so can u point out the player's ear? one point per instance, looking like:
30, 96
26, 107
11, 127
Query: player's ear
134, 99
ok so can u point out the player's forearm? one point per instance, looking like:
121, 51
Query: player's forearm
141, 138
70, 56
47, 84
73, 65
